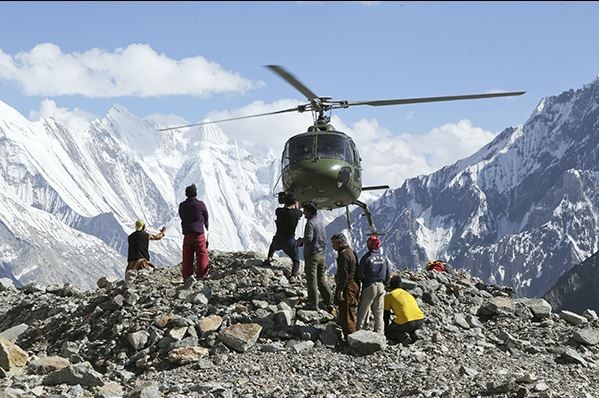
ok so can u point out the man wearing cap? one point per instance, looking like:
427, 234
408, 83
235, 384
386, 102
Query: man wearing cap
138, 256
284, 239
314, 246
194, 218
373, 273
408, 315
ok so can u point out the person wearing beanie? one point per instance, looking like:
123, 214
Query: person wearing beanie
284, 239
194, 224
373, 273
138, 255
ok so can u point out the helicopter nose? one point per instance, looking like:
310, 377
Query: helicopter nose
343, 177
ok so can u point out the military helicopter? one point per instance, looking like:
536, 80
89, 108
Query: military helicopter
322, 165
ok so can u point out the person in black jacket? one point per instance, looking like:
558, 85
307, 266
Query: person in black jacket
138, 256
284, 239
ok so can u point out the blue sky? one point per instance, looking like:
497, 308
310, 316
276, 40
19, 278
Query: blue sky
346, 50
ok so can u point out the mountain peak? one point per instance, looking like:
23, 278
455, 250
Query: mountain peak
119, 112
208, 132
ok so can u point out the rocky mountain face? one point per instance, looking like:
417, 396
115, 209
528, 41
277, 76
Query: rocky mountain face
521, 211
577, 288
68, 199
245, 332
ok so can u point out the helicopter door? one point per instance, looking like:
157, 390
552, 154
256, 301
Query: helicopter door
356, 155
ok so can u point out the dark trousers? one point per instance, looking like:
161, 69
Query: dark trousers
348, 308
289, 247
194, 243
400, 332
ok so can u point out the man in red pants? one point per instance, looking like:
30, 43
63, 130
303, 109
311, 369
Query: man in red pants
194, 218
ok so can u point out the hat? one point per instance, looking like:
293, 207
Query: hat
373, 243
139, 225
191, 191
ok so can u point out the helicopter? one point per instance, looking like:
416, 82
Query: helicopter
322, 165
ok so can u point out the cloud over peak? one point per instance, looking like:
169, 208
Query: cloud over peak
136, 70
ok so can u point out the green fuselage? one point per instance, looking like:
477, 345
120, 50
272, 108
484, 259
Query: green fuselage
316, 180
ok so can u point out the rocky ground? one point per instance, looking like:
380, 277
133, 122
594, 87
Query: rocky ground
243, 333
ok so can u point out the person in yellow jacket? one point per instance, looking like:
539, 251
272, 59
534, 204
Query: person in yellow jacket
408, 315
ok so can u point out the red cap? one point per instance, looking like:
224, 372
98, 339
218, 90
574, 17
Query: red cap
373, 243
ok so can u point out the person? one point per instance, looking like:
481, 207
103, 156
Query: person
436, 265
284, 239
138, 256
194, 218
314, 246
373, 273
408, 315
347, 291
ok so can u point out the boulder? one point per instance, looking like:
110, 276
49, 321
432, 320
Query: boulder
81, 373
14, 332
45, 365
572, 318
366, 342
241, 336
587, 336
12, 356
209, 324
185, 355
539, 307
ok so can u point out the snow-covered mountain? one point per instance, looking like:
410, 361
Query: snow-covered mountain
70, 198
521, 211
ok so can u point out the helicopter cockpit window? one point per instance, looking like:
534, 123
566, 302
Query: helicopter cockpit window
299, 148
333, 146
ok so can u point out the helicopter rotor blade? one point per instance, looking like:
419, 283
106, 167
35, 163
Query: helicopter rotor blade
289, 78
431, 99
233, 118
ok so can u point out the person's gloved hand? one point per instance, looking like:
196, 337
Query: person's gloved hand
163, 229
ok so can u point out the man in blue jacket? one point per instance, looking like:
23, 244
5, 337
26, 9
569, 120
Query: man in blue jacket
194, 218
373, 273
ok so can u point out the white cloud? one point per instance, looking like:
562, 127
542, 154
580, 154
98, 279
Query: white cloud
265, 132
391, 158
75, 119
136, 70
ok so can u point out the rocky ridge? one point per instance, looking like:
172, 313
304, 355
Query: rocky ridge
244, 332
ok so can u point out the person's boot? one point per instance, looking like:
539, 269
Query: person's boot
267, 262
188, 282
295, 270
